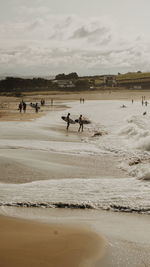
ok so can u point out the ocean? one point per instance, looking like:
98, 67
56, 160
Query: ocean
115, 131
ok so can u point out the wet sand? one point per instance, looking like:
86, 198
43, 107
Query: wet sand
25, 243
9, 105
96, 238
23, 167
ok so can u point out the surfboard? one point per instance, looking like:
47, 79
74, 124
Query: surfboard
64, 118
84, 121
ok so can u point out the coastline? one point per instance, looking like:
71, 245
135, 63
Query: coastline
24, 158
9, 104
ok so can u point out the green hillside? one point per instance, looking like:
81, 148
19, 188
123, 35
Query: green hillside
133, 76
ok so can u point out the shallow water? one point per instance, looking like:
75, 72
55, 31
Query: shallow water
125, 194
125, 134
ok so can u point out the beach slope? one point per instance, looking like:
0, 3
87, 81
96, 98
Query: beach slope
26, 243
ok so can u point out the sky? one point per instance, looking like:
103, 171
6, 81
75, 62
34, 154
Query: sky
91, 37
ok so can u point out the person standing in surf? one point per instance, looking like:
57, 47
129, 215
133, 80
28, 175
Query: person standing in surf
80, 123
68, 121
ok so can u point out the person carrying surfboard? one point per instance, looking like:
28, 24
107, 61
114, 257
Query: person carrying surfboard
80, 123
68, 121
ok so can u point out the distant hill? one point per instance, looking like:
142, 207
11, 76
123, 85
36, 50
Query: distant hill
133, 75
134, 79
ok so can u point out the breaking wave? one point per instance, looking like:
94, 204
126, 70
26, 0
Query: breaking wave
61, 205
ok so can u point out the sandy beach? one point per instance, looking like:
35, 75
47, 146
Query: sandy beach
43, 165
26, 243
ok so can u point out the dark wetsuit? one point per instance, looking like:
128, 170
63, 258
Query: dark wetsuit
68, 121
81, 124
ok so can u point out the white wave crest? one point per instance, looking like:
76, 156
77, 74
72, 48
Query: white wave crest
144, 144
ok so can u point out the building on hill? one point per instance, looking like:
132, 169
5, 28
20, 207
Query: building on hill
64, 83
110, 80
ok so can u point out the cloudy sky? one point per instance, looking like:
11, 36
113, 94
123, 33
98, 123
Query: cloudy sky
46, 37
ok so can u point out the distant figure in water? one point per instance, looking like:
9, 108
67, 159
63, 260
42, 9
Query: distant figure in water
68, 121
144, 113
132, 101
146, 103
80, 123
123, 106
20, 107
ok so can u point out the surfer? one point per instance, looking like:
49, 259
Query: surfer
68, 121
80, 123
123, 106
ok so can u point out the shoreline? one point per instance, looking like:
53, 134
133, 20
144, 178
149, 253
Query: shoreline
9, 104
25, 243
42, 149
113, 243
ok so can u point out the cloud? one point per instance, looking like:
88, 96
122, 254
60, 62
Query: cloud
40, 42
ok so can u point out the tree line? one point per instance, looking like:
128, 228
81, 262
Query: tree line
18, 85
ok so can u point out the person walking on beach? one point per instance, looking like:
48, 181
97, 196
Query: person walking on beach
20, 107
68, 121
24, 105
80, 123
36, 108
42, 102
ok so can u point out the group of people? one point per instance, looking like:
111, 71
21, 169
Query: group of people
36, 106
144, 101
80, 121
22, 106
82, 100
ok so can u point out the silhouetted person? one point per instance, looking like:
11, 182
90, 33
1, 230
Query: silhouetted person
42, 102
20, 107
83, 100
36, 108
123, 106
68, 121
80, 123
24, 105
146, 103
132, 101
